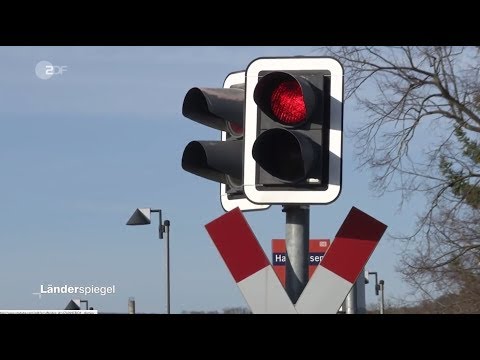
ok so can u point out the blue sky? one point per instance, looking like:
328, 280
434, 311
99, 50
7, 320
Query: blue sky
80, 151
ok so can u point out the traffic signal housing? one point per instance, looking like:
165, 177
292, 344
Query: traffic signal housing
293, 130
220, 161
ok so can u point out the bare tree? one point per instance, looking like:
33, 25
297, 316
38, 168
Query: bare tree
422, 136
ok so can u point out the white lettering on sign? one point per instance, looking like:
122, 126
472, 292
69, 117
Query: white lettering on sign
279, 259
315, 259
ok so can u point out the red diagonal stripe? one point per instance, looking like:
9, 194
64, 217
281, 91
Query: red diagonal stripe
353, 245
237, 244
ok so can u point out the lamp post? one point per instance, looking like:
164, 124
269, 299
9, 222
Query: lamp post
86, 303
379, 287
141, 216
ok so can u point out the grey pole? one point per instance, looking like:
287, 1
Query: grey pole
131, 305
382, 303
355, 302
351, 301
361, 301
167, 261
296, 241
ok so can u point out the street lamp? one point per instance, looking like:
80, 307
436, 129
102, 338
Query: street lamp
76, 305
141, 216
379, 287
86, 303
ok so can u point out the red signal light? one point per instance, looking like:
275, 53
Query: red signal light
288, 103
235, 129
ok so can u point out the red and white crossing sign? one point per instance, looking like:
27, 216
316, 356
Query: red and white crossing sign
249, 265
330, 283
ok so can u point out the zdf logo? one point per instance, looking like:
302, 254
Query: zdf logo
45, 70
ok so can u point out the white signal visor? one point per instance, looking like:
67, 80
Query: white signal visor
329, 195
